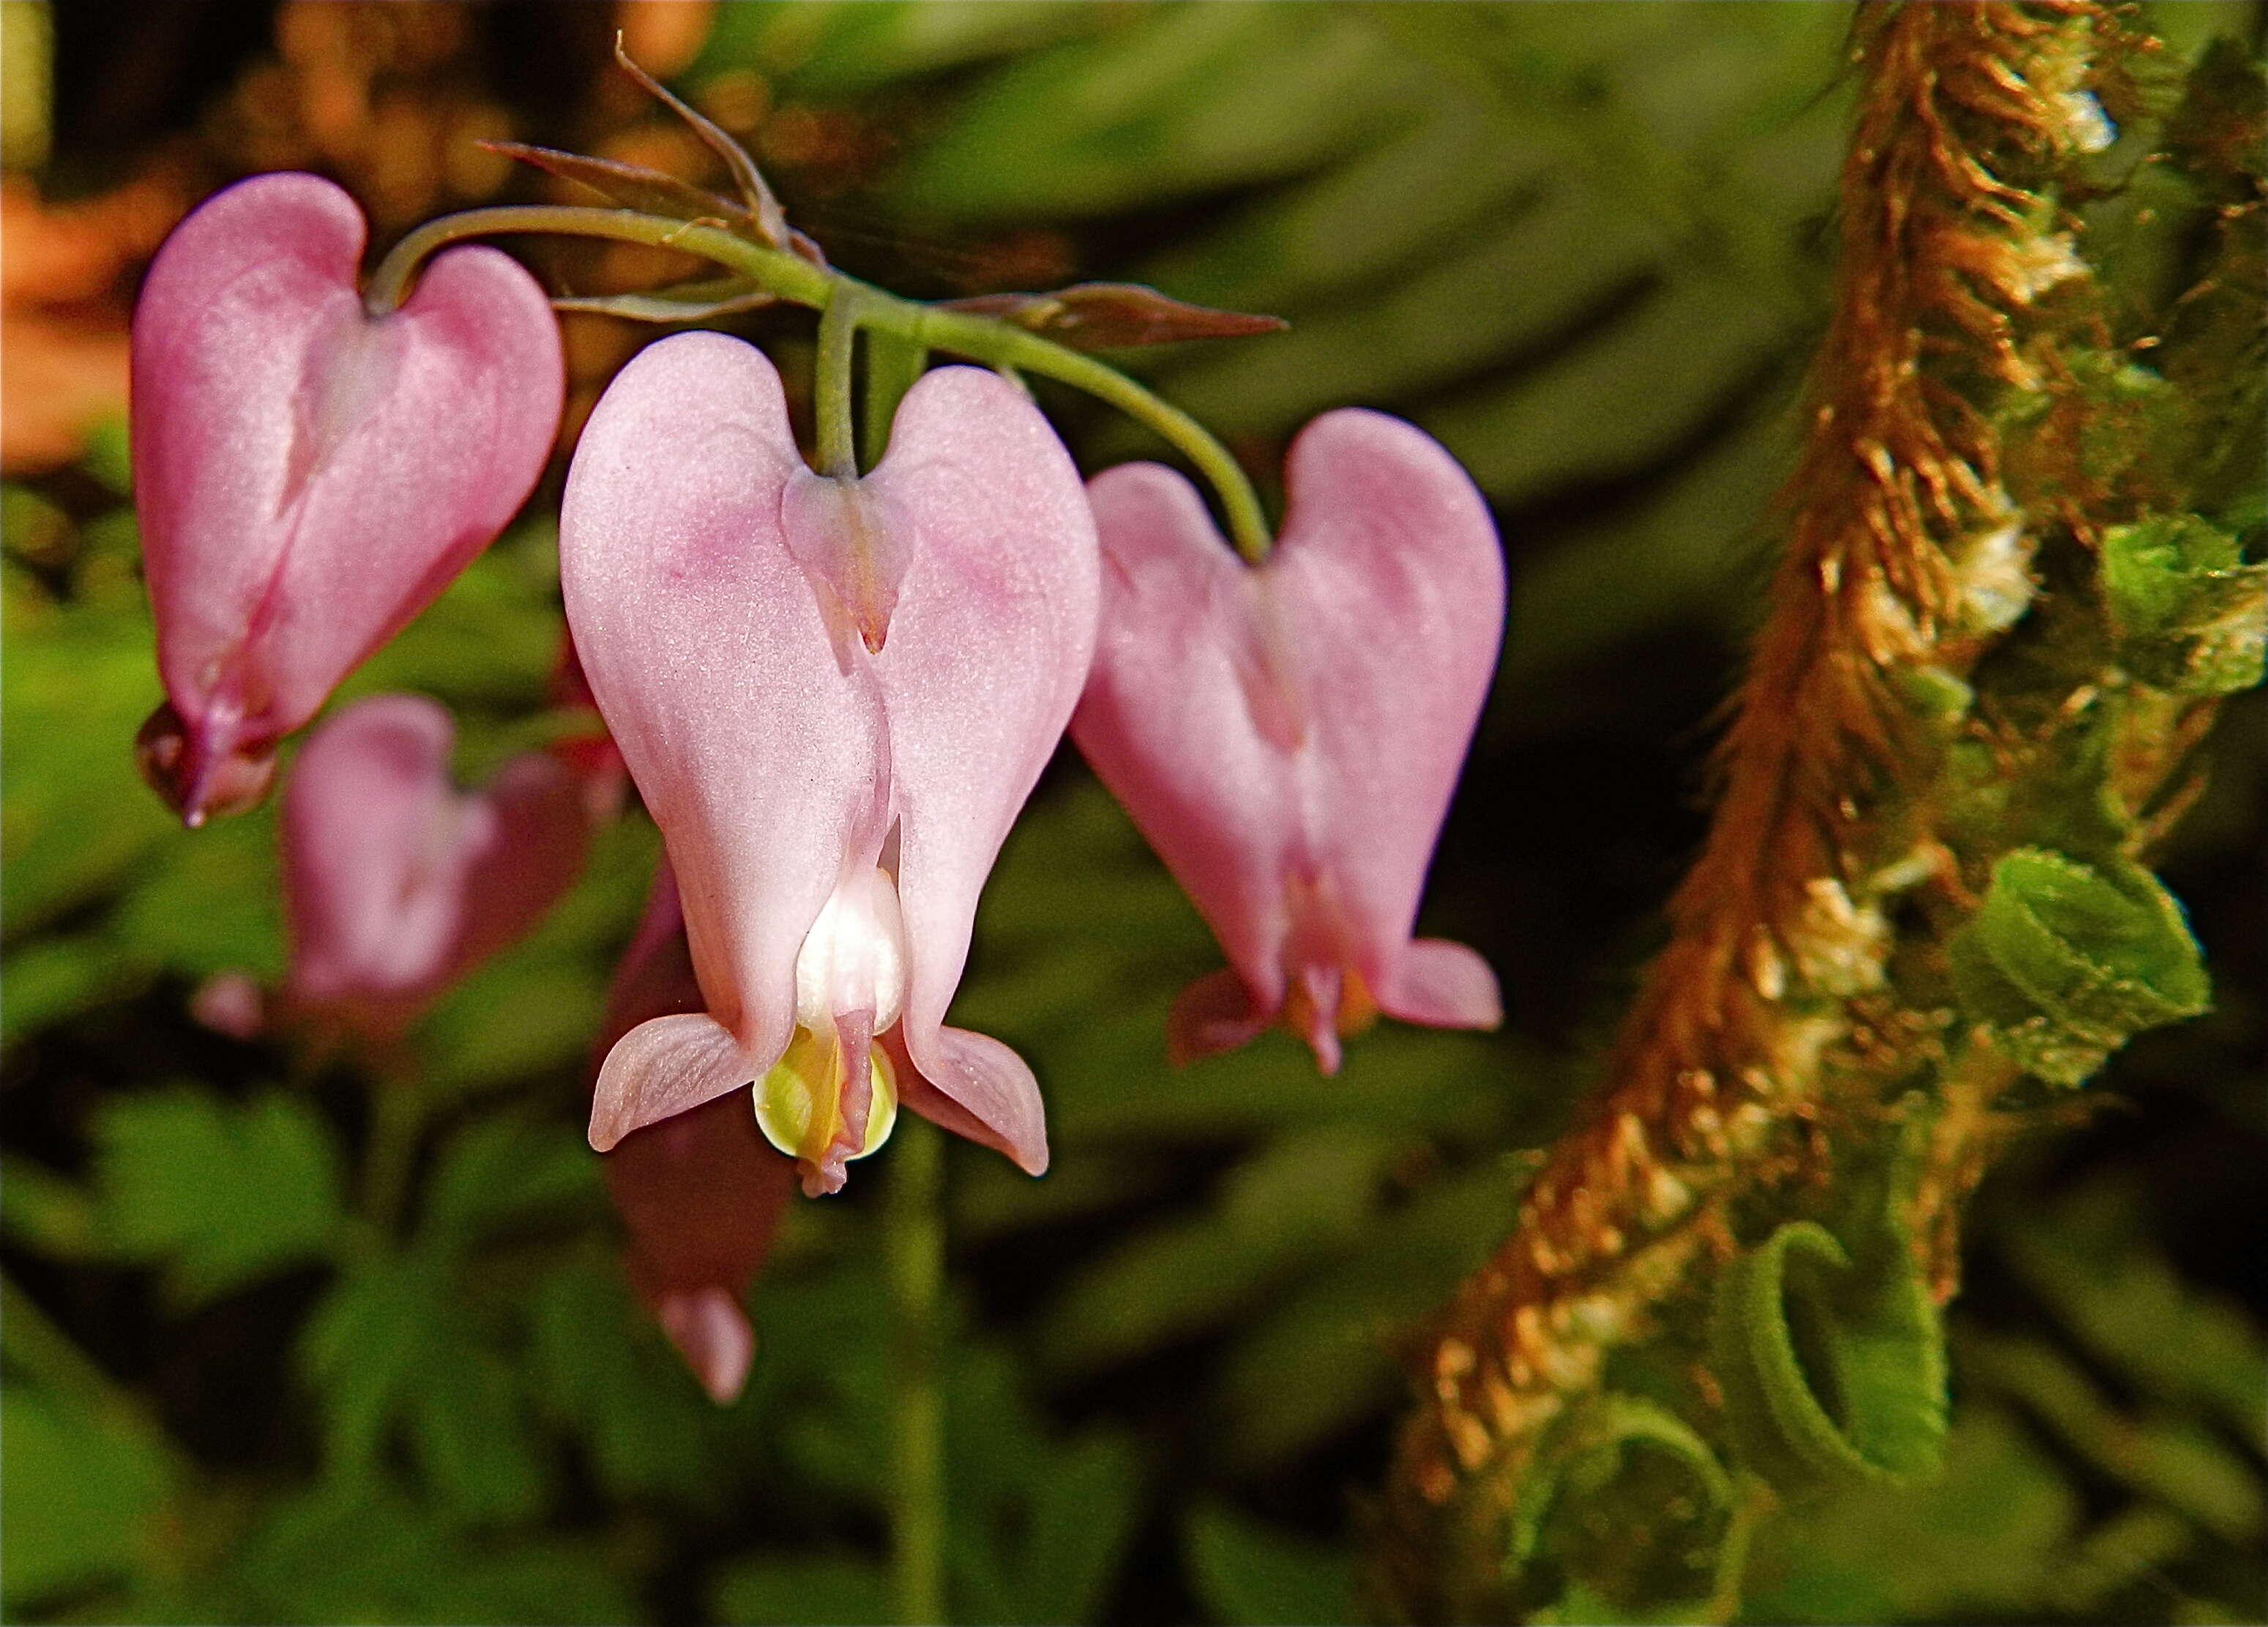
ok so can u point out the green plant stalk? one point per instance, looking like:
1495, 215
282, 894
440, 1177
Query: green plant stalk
914, 1249
838, 345
795, 279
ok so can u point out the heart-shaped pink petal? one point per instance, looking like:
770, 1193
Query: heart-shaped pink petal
395, 883
1288, 736
309, 477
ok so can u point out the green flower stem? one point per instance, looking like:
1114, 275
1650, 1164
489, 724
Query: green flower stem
790, 277
915, 1249
793, 278
1003, 345
838, 344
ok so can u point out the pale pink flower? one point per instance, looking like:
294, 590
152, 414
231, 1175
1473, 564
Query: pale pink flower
309, 477
834, 696
396, 883
1287, 736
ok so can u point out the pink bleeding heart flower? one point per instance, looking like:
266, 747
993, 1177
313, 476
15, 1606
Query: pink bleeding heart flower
834, 696
310, 475
395, 883
700, 1193
1287, 736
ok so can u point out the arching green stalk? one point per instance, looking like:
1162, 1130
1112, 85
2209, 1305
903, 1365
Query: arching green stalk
791, 277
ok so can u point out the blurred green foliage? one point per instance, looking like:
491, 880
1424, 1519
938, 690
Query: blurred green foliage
1584, 245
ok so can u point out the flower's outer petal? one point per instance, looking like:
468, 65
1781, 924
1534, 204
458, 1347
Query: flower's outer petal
1443, 985
700, 1193
539, 831
1188, 722
985, 1092
1391, 582
1213, 1014
395, 883
664, 1066
655, 977
988, 650
375, 856
309, 477
762, 760
713, 1334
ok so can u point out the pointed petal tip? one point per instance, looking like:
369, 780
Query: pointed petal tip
202, 770
713, 1334
660, 1068
979, 1089
1444, 985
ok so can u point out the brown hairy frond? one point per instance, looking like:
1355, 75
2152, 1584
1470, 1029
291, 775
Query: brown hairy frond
1905, 557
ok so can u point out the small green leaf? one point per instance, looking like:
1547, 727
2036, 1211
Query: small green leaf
2165, 1338
470, 1430
602, 1370
499, 1171
2176, 1460
50, 1212
366, 1347
1987, 1541
1246, 1572
356, 1549
1167, 106
216, 1193
80, 1497
52, 979
2191, 617
1078, 1519
2065, 962
1834, 1374
1304, 1196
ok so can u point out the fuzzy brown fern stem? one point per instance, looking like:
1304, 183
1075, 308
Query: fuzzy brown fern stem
1772, 1014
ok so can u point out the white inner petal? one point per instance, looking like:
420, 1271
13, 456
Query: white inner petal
854, 957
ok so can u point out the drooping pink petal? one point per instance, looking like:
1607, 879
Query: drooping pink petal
1392, 587
1288, 736
1444, 985
664, 1066
764, 760
542, 824
395, 883
978, 1087
308, 476
377, 844
700, 1194
988, 650
1171, 720
713, 1334
835, 695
